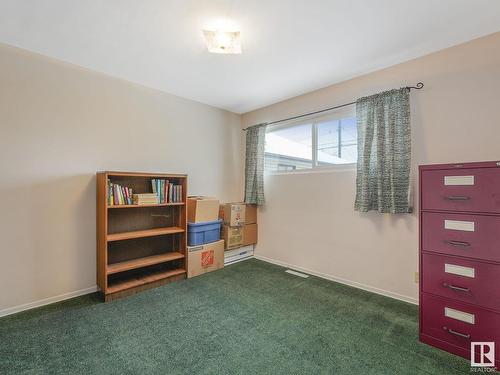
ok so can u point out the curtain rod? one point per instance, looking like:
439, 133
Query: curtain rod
418, 86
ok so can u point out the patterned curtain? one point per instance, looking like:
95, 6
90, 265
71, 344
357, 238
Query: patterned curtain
254, 165
384, 150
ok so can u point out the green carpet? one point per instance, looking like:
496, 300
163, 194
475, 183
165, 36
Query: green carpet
249, 318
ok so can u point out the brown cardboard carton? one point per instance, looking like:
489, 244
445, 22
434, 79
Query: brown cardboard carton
205, 258
201, 209
233, 236
249, 234
233, 214
251, 214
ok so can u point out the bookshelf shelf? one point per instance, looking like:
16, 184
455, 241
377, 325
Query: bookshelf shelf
143, 262
144, 233
146, 205
146, 278
144, 174
145, 246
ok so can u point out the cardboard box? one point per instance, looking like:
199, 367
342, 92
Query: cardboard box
201, 209
233, 214
251, 214
205, 258
233, 236
249, 234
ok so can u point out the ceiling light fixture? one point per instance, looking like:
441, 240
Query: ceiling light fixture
219, 41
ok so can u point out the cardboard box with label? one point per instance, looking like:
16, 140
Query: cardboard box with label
251, 214
233, 214
233, 236
249, 234
202, 209
205, 258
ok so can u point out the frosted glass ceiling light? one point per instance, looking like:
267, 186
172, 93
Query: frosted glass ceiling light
223, 41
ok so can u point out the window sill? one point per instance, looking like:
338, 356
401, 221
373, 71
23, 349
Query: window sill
329, 169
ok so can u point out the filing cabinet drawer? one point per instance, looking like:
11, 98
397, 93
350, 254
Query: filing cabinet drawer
465, 280
469, 190
473, 236
458, 323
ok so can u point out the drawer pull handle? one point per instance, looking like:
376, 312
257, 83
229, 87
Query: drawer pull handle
449, 330
457, 198
457, 243
457, 288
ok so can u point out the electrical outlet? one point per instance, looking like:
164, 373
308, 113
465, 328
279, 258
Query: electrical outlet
417, 278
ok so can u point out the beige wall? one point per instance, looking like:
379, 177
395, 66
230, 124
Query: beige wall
59, 125
308, 220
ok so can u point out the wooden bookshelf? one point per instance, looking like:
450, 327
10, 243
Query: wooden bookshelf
139, 246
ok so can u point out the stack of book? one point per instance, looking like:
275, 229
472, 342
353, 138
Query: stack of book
118, 195
167, 192
147, 198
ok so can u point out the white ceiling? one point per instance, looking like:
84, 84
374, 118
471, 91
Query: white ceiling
289, 47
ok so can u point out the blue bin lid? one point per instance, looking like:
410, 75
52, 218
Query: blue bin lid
205, 225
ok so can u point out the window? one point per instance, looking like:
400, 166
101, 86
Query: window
324, 141
290, 146
337, 141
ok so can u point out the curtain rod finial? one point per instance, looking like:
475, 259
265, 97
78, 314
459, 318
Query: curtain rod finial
418, 86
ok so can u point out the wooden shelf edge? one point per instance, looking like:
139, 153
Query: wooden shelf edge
143, 262
143, 233
138, 289
142, 174
147, 205
143, 279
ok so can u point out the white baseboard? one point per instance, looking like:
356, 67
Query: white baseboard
47, 301
341, 280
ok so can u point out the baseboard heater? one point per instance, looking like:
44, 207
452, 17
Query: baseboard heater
238, 255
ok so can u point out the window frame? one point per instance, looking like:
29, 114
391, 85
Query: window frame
346, 112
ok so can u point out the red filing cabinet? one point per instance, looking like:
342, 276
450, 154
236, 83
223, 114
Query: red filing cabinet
460, 256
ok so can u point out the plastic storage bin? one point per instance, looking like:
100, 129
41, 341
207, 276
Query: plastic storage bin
202, 233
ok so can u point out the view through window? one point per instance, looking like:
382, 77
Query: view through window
311, 144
